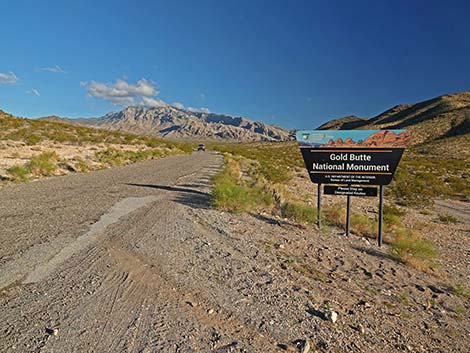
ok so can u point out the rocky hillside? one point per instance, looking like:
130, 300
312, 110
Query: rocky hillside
432, 120
171, 122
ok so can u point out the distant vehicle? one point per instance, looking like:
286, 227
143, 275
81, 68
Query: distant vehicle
201, 147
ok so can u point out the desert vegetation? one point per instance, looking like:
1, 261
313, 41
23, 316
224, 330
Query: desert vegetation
45, 148
256, 178
420, 179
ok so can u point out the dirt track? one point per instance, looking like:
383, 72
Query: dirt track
133, 260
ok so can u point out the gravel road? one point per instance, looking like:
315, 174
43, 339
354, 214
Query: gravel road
133, 259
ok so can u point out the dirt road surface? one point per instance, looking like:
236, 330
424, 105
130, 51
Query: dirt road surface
133, 259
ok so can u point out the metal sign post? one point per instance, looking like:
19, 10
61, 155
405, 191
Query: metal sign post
319, 205
381, 214
348, 214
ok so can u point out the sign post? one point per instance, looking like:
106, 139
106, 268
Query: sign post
348, 214
352, 161
319, 205
381, 215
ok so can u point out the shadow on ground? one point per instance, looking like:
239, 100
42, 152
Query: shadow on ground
183, 195
374, 252
279, 222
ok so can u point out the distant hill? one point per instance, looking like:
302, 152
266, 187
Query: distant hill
171, 122
434, 120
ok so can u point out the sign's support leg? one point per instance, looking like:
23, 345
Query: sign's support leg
319, 205
381, 214
348, 214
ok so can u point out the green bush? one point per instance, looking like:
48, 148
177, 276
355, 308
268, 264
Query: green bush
299, 213
82, 166
409, 248
363, 225
18, 173
447, 219
236, 198
44, 164
335, 215
33, 139
231, 193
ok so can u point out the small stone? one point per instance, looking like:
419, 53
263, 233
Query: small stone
331, 316
420, 288
365, 304
305, 346
210, 311
52, 331
360, 328
435, 289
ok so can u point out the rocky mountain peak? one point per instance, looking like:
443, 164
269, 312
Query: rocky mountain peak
173, 122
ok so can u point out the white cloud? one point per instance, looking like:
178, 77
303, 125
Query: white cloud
143, 92
152, 102
198, 110
123, 93
8, 78
34, 91
55, 69
191, 109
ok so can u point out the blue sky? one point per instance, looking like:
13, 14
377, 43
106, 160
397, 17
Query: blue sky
292, 63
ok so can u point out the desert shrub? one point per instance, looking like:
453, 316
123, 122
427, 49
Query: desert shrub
299, 212
232, 193
392, 210
410, 248
363, 225
110, 156
237, 198
447, 219
18, 173
81, 165
459, 185
114, 157
419, 180
335, 215
32, 139
426, 212
44, 164
461, 290
275, 160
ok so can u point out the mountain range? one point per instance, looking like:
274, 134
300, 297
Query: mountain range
446, 116
443, 121
168, 121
